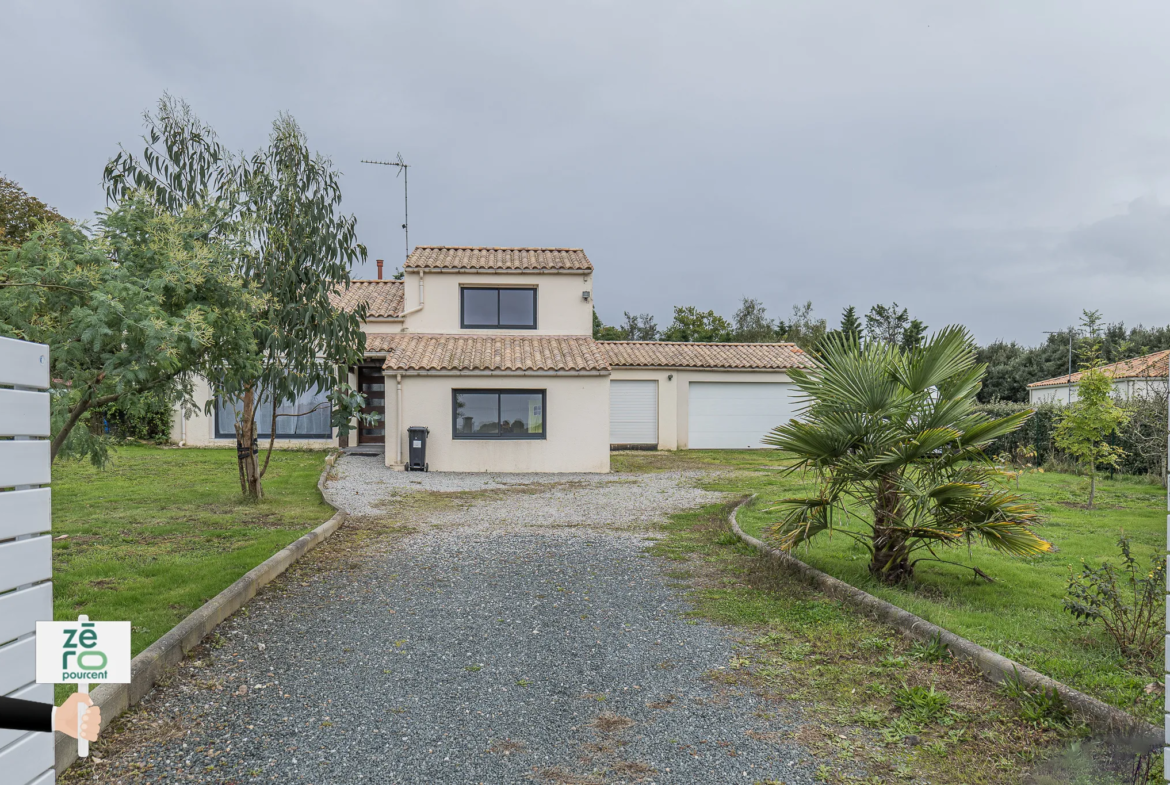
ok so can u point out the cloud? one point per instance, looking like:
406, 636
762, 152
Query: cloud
1136, 241
966, 160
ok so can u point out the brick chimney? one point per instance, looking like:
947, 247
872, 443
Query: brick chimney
379, 269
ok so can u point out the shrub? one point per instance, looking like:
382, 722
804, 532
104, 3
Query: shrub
1144, 450
147, 418
1129, 603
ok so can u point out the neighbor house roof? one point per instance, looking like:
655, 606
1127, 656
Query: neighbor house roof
383, 299
457, 258
468, 353
1150, 366
670, 354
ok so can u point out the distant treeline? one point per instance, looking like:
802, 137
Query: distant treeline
1010, 366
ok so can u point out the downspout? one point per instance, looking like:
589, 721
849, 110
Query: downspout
398, 423
421, 299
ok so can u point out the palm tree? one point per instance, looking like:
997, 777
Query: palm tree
892, 438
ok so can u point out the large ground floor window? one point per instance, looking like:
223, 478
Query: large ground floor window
498, 414
308, 417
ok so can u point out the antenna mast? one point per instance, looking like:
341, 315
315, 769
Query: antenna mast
402, 170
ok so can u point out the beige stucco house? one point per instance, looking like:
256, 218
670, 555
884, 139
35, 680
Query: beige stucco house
492, 350
1136, 376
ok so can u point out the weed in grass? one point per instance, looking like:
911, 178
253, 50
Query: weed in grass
870, 717
1041, 706
931, 650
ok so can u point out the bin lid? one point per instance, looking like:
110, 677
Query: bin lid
415, 428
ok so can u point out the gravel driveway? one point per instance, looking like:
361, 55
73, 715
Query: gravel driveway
518, 633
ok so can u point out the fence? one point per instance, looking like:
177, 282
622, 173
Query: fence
26, 596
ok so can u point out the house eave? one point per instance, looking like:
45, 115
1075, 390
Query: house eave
494, 271
496, 373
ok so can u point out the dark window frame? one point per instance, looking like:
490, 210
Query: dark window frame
499, 436
221, 434
497, 289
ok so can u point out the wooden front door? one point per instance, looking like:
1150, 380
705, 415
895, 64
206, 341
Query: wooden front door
372, 385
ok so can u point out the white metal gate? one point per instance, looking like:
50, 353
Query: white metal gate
26, 555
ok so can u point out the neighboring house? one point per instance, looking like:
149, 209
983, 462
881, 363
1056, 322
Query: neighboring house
1136, 376
492, 349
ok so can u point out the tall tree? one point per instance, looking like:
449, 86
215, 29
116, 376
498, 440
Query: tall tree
21, 214
751, 323
896, 449
640, 327
887, 324
914, 334
804, 329
281, 206
606, 332
851, 324
131, 314
691, 325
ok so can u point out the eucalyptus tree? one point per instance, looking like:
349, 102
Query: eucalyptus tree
280, 208
892, 440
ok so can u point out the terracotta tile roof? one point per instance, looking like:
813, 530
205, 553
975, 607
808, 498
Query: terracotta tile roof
383, 298
668, 354
1150, 366
461, 352
452, 257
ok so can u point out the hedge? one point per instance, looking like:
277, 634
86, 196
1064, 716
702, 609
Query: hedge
1039, 429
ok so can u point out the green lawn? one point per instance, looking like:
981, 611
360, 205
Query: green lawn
159, 531
1020, 615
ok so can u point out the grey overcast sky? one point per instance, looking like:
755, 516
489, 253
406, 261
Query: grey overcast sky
998, 164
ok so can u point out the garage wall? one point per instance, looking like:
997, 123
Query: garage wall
674, 398
667, 401
576, 417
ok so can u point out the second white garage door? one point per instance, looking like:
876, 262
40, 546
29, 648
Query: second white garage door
736, 415
633, 412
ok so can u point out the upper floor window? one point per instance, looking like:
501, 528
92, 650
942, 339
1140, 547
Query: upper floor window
483, 307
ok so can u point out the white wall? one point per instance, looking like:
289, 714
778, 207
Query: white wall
674, 396
576, 423
560, 309
1122, 388
200, 428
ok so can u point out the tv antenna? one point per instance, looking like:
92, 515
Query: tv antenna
403, 166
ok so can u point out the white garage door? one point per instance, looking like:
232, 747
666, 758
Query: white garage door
633, 412
736, 415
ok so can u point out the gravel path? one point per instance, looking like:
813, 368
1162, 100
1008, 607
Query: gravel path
522, 635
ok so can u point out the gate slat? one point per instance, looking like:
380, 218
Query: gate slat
21, 610
28, 759
25, 512
24, 463
24, 364
24, 413
25, 561
18, 665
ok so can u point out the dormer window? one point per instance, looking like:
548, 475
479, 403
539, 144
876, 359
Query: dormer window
484, 307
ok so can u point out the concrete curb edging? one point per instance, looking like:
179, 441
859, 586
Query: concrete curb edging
155, 659
1101, 717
